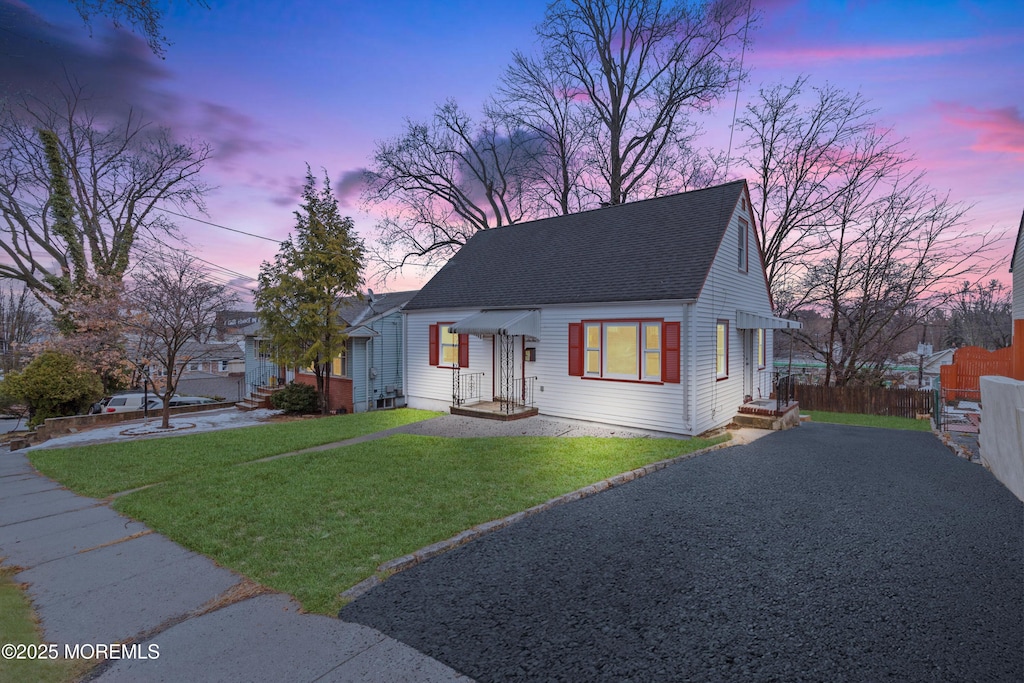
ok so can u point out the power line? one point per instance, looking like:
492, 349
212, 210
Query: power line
222, 227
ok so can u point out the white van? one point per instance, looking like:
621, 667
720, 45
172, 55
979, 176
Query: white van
123, 403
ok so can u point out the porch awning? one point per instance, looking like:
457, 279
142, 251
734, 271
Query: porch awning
755, 321
510, 323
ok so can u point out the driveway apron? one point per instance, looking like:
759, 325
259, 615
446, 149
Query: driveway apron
821, 553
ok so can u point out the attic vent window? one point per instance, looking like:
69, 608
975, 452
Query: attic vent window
743, 241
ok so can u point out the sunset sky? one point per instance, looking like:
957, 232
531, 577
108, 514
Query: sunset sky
275, 85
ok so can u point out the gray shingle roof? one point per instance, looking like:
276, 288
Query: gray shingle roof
643, 251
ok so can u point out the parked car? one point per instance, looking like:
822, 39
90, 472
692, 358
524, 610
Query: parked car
158, 404
123, 403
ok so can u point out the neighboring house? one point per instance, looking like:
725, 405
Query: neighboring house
368, 375
654, 314
222, 359
217, 359
260, 369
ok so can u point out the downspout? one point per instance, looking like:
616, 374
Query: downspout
368, 356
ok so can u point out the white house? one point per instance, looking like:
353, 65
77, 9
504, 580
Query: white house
654, 314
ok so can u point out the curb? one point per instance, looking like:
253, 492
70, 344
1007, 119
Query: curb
400, 564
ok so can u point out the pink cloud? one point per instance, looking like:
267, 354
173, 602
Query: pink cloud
790, 56
995, 130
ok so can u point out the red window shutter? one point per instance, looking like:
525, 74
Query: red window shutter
433, 345
576, 349
670, 356
463, 350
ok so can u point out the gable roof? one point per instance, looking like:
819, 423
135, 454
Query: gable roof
358, 310
648, 250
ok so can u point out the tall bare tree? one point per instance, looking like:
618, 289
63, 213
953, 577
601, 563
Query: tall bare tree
809, 150
641, 67
169, 304
539, 97
888, 264
599, 116
78, 189
441, 181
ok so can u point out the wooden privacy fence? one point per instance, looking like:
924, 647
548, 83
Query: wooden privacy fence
866, 400
969, 364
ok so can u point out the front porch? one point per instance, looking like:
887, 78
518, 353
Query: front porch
495, 410
768, 413
515, 402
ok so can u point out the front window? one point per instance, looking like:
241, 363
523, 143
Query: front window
652, 351
722, 349
623, 349
593, 337
449, 346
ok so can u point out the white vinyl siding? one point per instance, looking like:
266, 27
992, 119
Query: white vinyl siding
429, 386
1018, 276
725, 291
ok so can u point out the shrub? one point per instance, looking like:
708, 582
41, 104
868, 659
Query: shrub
54, 385
296, 398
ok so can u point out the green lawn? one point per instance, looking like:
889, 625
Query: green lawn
316, 524
870, 420
104, 469
18, 627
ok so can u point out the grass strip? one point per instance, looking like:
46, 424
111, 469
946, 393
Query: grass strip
860, 420
18, 627
103, 469
316, 524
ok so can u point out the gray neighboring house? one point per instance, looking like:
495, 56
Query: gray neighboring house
368, 376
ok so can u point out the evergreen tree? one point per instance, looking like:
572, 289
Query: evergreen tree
299, 295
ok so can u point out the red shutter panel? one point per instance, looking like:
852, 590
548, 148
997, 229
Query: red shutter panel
576, 349
433, 345
463, 350
670, 356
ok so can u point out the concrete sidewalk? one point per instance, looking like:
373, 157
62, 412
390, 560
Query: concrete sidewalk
97, 578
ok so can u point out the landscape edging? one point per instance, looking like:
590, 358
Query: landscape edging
400, 564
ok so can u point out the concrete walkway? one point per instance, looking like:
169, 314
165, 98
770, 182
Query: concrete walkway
97, 578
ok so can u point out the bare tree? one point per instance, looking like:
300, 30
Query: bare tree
169, 305
538, 96
888, 264
440, 182
77, 190
980, 314
599, 116
641, 66
20, 321
808, 152
144, 16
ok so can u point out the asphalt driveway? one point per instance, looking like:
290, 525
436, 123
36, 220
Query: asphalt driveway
822, 553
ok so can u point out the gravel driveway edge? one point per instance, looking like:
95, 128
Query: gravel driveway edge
400, 564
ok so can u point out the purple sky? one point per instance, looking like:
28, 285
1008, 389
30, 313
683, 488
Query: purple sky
274, 85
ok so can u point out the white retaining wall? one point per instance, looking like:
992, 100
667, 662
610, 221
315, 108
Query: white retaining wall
1002, 430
